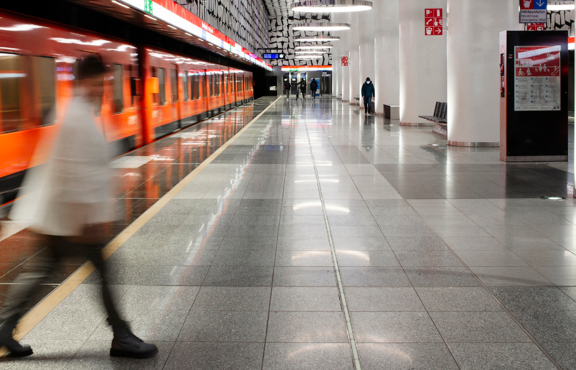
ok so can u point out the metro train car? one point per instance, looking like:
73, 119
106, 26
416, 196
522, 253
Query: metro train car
148, 93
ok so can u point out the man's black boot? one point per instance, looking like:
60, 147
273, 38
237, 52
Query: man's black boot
7, 340
126, 344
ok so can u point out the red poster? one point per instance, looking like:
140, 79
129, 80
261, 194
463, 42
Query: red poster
537, 77
344, 61
433, 22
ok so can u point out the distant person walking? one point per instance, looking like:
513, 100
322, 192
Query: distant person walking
302, 86
68, 206
313, 88
368, 93
287, 88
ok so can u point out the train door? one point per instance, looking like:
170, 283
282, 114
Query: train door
175, 89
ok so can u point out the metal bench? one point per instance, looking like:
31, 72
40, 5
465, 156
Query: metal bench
439, 114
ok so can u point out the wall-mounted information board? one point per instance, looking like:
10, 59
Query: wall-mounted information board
537, 78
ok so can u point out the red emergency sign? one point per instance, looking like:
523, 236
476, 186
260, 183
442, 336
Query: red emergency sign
433, 22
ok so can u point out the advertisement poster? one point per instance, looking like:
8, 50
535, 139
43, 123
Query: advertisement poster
537, 78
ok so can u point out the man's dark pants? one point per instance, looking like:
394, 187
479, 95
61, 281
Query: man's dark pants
46, 263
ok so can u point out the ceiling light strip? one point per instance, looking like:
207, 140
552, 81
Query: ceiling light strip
317, 39
321, 26
331, 6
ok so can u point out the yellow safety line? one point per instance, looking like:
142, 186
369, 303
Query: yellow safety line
38, 313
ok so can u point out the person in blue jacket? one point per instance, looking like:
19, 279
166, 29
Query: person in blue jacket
368, 93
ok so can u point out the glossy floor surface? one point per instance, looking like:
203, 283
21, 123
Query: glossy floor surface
446, 257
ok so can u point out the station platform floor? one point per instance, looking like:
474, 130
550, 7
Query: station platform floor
318, 238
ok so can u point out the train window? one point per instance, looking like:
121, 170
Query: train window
162, 85
203, 84
11, 80
193, 87
118, 102
185, 85
174, 84
44, 70
217, 79
196, 86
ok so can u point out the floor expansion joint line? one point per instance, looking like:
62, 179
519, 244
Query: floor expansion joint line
349, 329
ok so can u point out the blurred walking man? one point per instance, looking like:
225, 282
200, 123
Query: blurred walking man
68, 207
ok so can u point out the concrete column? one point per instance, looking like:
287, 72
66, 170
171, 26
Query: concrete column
422, 63
366, 48
473, 68
345, 51
354, 60
386, 51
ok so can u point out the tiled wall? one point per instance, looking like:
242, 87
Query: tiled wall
244, 21
282, 39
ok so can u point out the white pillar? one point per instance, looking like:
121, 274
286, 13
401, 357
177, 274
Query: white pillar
422, 62
335, 61
473, 68
386, 51
345, 52
366, 48
354, 60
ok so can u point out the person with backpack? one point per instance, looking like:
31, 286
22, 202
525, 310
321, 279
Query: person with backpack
368, 93
313, 88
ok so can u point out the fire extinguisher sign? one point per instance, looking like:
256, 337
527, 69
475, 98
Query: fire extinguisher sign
433, 22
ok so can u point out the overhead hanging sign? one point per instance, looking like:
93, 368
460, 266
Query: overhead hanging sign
533, 11
537, 78
433, 22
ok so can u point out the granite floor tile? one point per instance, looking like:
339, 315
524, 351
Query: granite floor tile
427, 258
501, 258
307, 327
510, 276
382, 299
366, 258
301, 258
304, 276
295, 356
478, 327
455, 299
215, 356
374, 277
244, 258
513, 356
405, 356
232, 298
224, 326
305, 299
239, 276
393, 327
441, 277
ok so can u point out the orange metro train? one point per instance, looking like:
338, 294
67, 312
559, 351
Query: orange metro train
148, 93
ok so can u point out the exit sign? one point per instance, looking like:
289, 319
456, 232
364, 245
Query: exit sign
148, 6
